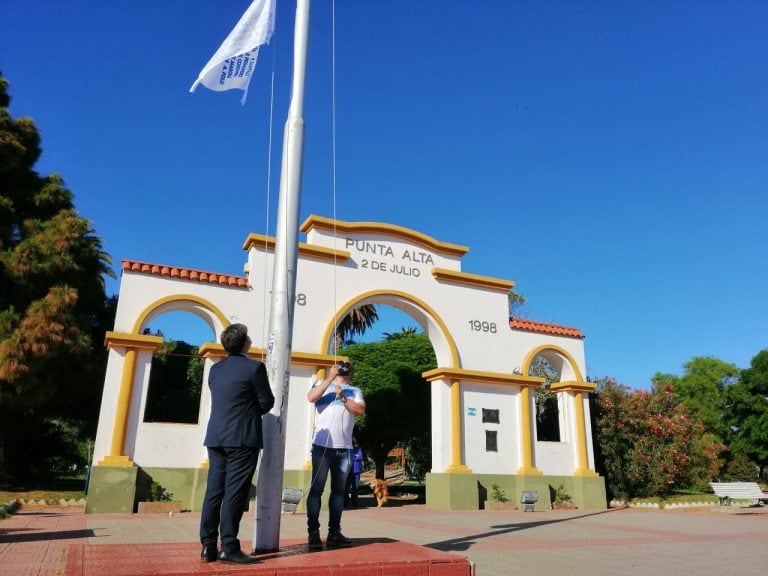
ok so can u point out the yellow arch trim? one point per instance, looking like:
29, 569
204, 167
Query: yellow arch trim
328, 334
573, 386
479, 376
456, 465
179, 298
577, 387
536, 351
215, 350
137, 341
261, 242
393, 230
456, 277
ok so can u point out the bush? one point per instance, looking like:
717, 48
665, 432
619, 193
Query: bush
651, 444
38, 449
561, 495
159, 494
741, 469
497, 494
418, 456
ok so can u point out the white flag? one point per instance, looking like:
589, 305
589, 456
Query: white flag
234, 61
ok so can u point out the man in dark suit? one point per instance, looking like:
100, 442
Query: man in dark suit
240, 394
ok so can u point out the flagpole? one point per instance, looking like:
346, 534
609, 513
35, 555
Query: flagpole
270, 476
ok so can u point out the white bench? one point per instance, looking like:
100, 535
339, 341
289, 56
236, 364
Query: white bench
728, 491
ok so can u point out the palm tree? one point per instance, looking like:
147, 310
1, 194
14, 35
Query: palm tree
404, 331
356, 321
517, 303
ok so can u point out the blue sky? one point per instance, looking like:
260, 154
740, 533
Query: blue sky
609, 157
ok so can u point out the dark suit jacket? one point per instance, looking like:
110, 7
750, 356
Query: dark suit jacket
240, 394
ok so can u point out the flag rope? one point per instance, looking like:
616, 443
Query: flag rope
335, 343
264, 322
336, 319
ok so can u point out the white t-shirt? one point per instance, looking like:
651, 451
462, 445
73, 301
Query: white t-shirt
333, 423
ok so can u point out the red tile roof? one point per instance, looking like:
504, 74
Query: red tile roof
185, 274
554, 329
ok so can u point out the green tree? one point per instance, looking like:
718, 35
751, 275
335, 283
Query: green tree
418, 451
175, 384
52, 300
702, 387
740, 468
747, 414
397, 398
547, 410
355, 322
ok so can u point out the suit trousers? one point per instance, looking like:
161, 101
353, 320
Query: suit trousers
226, 496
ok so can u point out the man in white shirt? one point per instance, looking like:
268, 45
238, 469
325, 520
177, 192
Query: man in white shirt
336, 407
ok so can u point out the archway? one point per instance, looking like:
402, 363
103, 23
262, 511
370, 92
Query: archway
429, 321
204, 309
574, 427
482, 383
174, 390
399, 403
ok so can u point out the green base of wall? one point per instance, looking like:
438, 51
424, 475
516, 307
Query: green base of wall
299, 479
470, 491
186, 485
120, 489
111, 490
452, 491
116, 489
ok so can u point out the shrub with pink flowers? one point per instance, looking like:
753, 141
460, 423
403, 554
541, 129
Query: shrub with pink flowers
650, 443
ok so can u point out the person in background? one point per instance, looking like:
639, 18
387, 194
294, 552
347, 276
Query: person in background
336, 406
353, 480
240, 394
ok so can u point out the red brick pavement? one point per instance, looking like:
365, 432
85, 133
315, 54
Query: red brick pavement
696, 542
54, 541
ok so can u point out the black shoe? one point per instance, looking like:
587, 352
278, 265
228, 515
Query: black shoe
337, 540
314, 542
209, 553
236, 557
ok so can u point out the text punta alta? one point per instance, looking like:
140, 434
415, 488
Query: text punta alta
384, 250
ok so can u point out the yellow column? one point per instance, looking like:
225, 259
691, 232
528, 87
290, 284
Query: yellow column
578, 388
456, 451
319, 376
581, 433
116, 456
526, 437
132, 343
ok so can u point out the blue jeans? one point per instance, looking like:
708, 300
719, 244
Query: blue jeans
352, 489
339, 462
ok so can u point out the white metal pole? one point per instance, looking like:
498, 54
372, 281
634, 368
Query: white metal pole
270, 476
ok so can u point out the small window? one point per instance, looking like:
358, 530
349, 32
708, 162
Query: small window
491, 444
491, 416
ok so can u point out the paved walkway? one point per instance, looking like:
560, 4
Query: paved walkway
625, 542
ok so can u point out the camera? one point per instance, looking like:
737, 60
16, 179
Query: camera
345, 368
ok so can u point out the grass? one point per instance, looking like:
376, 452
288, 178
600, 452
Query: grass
51, 492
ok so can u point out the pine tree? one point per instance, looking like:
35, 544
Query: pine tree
52, 297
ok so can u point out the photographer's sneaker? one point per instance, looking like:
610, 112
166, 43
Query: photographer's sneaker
337, 540
314, 542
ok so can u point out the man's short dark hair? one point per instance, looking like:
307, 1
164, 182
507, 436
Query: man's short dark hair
233, 338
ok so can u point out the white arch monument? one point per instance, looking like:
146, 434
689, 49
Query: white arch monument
483, 362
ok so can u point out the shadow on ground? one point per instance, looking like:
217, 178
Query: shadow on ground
465, 543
